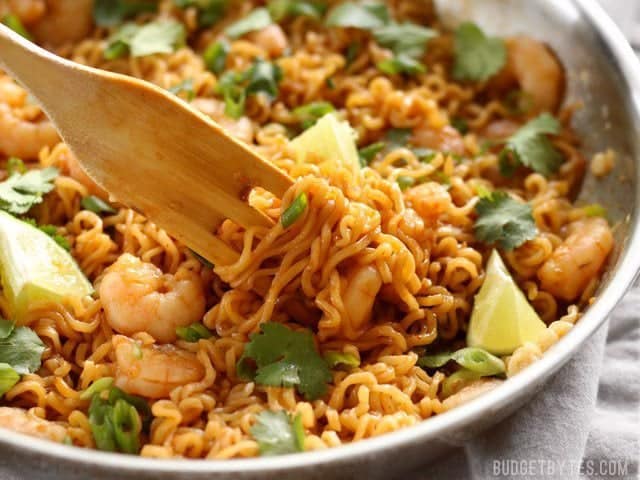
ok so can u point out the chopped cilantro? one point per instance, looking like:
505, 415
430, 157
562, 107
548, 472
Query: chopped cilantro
531, 147
186, 88
256, 20
215, 56
20, 192
277, 433
278, 356
477, 56
20, 347
407, 39
460, 124
309, 114
504, 221
161, 36
365, 16
108, 13
96, 205
281, 9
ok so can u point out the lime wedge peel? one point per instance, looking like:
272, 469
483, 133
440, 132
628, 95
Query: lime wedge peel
502, 318
329, 139
34, 268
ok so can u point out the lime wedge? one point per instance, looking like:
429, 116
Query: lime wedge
35, 268
329, 140
502, 318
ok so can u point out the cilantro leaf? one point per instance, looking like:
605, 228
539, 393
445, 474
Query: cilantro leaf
504, 221
281, 9
355, 15
256, 20
161, 36
477, 57
408, 39
107, 13
531, 147
277, 434
6, 327
22, 349
209, 11
285, 358
20, 192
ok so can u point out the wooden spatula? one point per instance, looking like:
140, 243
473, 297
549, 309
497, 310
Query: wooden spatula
146, 147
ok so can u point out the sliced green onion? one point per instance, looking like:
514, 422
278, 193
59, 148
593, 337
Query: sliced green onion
215, 56
341, 359
353, 50
368, 153
8, 378
193, 332
298, 432
405, 181
595, 210
454, 382
96, 205
401, 64
479, 361
15, 165
98, 386
436, 360
127, 426
309, 114
202, 260
470, 358
331, 85
13, 22
281, 9
294, 211
100, 422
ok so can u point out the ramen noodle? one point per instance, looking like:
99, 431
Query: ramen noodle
365, 271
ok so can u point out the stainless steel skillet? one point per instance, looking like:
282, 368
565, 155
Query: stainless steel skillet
605, 74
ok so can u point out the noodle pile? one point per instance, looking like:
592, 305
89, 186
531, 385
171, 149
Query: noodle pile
417, 244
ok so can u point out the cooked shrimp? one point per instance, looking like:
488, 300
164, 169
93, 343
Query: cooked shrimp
138, 297
28, 11
532, 67
22, 421
64, 21
363, 285
471, 391
22, 138
153, 371
447, 139
430, 200
242, 128
578, 260
271, 38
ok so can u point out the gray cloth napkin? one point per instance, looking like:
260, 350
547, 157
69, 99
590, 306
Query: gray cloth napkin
585, 424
